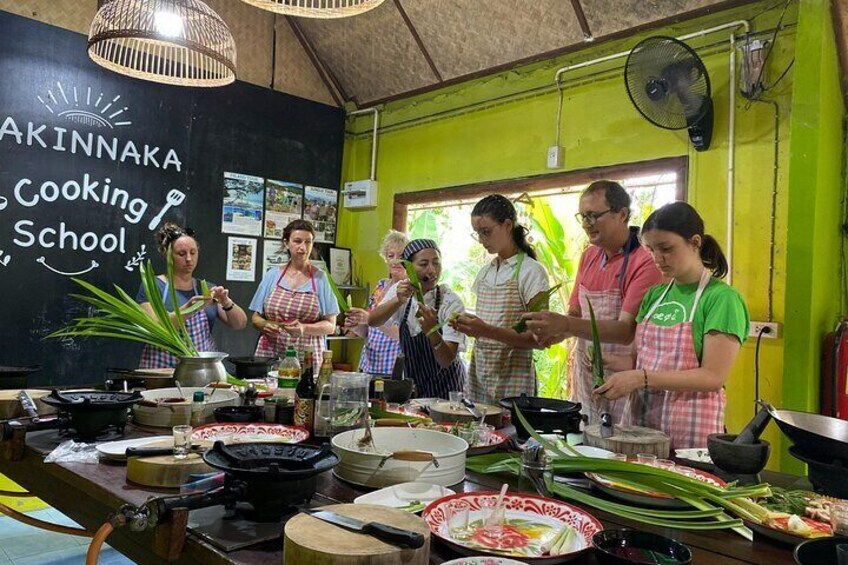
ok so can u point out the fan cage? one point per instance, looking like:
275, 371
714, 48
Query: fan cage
124, 38
324, 9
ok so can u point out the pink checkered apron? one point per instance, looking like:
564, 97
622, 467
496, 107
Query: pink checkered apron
283, 305
607, 306
380, 351
687, 417
497, 370
198, 330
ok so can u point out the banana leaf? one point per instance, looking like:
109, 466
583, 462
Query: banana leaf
597, 358
412, 275
541, 301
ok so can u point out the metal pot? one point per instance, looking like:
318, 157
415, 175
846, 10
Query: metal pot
823, 437
201, 369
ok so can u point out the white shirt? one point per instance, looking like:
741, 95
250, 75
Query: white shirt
532, 278
450, 303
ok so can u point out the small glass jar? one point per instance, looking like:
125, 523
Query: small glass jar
646, 459
619, 457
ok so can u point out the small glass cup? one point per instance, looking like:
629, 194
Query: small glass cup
842, 554
839, 519
457, 515
182, 441
494, 517
619, 457
666, 464
470, 435
646, 459
484, 432
455, 398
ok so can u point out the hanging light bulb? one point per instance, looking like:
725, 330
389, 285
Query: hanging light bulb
316, 8
181, 42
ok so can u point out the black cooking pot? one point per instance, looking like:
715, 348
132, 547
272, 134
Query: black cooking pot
239, 413
15, 378
546, 415
252, 367
92, 411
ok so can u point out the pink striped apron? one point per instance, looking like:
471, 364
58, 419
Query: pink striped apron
687, 417
283, 305
499, 371
198, 330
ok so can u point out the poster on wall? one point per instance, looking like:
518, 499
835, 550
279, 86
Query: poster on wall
340, 265
241, 259
320, 207
283, 203
243, 199
274, 254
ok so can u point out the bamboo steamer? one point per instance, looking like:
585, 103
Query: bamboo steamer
313, 541
10, 406
165, 471
629, 440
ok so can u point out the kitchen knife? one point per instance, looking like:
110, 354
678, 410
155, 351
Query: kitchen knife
156, 451
386, 533
471, 408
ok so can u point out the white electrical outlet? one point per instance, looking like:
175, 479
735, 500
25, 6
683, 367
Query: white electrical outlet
555, 157
772, 331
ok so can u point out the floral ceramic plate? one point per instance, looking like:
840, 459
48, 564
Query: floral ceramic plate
492, 441
247, 433
649, 498
530, 521
483, 561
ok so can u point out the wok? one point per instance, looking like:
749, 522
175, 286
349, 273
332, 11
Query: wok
816, 435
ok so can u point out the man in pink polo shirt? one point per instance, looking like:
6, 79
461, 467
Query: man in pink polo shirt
615, 273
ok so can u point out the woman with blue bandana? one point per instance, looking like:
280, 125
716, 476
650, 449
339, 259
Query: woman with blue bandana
432, 358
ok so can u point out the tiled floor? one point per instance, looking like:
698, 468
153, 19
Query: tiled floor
21, 544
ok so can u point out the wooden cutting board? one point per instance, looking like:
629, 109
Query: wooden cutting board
165, 471
630, 440
443, 412
313, 541
10, 406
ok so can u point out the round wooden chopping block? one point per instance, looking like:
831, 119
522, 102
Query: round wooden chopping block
10, 406
165, 471
629, 440
443, 412
315, 542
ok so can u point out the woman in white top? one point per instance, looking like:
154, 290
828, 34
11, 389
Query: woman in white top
432, 359
502, 359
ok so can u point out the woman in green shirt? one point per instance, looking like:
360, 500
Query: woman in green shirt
688, 335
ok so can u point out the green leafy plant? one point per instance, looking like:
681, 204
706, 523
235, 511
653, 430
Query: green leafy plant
441, 324
597, 358
540, 302
412, 275
344, 305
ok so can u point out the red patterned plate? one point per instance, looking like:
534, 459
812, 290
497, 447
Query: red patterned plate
248, 433
530, 522
650, 498
493, 440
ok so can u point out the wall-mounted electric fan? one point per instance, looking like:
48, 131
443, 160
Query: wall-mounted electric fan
669, 85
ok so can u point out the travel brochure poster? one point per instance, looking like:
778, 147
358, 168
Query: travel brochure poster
274, 254
244, 196
241, 259
283, 204
320, 207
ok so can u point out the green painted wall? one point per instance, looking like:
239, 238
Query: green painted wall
815, 177
499, 127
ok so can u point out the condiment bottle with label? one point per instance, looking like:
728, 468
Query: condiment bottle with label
304, 399
379, 401
289, 367
326, 370
198, 402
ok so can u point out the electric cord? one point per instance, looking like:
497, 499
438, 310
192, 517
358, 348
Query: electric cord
763, 330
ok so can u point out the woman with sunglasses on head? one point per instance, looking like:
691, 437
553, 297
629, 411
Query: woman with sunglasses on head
185, 252
294, 305
688, 335
432, 359
502, 359
381, 344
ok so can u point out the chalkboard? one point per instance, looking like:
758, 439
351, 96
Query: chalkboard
87, 159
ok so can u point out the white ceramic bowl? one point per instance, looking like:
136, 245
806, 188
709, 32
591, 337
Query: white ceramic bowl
167, 415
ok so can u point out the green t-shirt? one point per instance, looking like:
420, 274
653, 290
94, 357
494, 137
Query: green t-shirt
721, 309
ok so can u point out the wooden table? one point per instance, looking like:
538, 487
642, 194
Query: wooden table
89, 493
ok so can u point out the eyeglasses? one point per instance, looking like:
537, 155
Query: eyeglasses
590, 218
178, 233
484, 233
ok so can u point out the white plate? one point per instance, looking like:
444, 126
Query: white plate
116, 450
401, 495
584, 450
699, 454
483, 561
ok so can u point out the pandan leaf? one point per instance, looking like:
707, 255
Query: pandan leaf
175, 305
541, 301
441, 324
597, 357
204, 288
343, 303
412, 275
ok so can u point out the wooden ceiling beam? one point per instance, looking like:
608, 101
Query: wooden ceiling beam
418, 40
324, 72
581, 19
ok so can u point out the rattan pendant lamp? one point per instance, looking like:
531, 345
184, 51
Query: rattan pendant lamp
316, 8
180, 42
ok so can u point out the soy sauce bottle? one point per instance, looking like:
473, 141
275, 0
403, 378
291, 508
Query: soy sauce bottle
304, 397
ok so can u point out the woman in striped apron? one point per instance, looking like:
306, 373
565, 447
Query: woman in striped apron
294, 305
432, 359
185, 253
382, 344
688, 334
502, 359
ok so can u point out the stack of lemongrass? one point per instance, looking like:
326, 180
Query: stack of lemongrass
712, 505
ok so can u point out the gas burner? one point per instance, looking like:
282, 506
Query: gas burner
826, 475
66, 431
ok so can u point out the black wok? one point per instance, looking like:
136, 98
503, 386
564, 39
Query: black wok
820, 436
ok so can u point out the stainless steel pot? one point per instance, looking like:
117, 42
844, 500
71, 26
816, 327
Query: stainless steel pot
200, 370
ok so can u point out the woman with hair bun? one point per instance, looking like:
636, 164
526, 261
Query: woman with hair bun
185, 252
502, 360
688, 334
